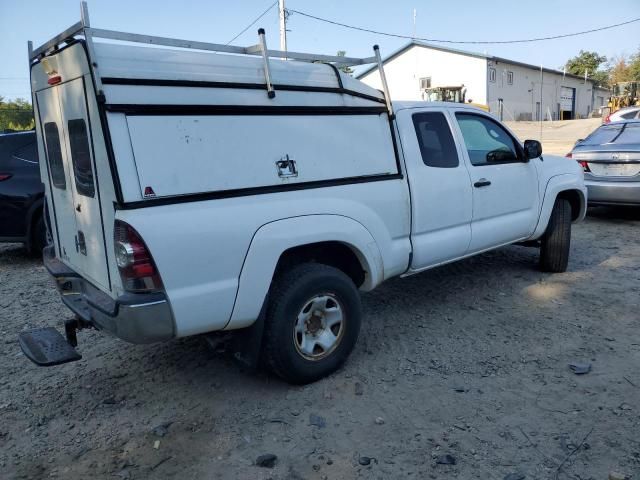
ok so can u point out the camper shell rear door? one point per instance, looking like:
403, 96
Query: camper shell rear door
60, 83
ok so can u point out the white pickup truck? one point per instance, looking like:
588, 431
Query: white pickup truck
192, 191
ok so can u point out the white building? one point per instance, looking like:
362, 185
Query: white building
493, 81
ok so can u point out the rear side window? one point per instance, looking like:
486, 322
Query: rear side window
54, 155
435, 139
629, 115
81, 157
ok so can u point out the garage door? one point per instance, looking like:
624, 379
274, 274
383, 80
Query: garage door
566, 99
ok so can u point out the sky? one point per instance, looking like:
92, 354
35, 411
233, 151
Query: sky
219, 21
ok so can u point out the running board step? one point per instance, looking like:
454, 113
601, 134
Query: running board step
47, 347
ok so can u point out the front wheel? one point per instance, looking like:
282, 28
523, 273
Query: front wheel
556, 241
312, 322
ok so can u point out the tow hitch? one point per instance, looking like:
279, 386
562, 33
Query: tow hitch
47, 347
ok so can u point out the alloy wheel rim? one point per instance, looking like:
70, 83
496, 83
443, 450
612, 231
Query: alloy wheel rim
319, 327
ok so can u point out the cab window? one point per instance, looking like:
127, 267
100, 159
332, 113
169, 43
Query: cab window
486, 141
435, 139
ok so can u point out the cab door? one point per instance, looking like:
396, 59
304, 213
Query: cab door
505, 185
441, 201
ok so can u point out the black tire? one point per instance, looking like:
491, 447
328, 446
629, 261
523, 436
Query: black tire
38, 238
556, 241
290, 293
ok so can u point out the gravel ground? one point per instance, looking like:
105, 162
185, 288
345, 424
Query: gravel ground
468, 360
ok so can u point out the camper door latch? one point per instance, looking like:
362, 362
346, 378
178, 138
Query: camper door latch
286, 167
81, 245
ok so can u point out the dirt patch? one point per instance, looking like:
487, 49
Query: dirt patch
470, 360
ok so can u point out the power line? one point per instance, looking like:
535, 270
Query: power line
252, 23
484, 42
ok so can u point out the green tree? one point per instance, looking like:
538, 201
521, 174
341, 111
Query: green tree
591, 63
344, 68
634, 66
15, 115
619, 70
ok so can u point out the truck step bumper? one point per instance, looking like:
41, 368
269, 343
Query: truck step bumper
47, 347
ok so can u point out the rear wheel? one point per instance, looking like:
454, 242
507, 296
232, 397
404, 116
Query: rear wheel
38, 238
556, 241
312, 322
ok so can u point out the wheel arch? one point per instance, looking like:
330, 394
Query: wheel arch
566, 186
335, 240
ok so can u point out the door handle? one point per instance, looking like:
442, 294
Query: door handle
483, 182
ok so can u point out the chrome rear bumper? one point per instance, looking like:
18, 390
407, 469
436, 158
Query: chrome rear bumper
134, 317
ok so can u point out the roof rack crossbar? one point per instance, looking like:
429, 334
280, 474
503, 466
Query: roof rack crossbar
83, 28
70, 32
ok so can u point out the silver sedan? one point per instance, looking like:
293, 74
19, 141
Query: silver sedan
610, 157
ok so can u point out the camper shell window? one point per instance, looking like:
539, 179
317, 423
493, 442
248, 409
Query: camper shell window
81, 156
54, 155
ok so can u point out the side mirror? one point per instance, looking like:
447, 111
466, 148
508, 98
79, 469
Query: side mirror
532, 149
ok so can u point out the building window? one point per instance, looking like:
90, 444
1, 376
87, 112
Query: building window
425, 83
510, 78
492, 75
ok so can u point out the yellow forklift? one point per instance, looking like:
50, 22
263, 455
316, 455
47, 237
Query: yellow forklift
625, 94
455, 94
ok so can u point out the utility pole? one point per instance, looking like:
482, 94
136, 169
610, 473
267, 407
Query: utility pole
415, 13
283, 25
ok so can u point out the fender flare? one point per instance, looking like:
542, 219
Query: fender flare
272, 239
555, 186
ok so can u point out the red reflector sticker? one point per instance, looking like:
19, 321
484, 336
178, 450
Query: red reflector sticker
54, 80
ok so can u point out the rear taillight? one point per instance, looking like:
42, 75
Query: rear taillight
4, 176
607, 119
583, 164
137, 268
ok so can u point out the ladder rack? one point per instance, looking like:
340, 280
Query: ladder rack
83, 27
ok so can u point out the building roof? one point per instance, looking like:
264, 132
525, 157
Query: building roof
418, 43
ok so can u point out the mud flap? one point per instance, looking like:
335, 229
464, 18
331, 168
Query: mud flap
246, 344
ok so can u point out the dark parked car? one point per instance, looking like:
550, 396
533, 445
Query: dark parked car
21, 191
610, 157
